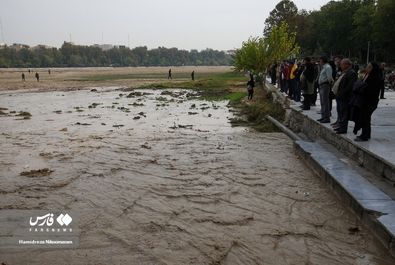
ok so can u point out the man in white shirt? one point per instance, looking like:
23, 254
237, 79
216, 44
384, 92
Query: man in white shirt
325, 82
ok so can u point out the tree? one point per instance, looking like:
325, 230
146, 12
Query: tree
252, 56
281, 44
384, 31
286, 11
363, 32
76, 55
257, 53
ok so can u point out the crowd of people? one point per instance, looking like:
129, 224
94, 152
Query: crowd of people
356, 91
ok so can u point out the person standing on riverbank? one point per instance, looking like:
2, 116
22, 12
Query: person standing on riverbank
23, 77
365, 100
250, 87
343, 92
193, 75
286, 71
169, 75
37, 77
292, 79
325, 81
273, 74
307, 83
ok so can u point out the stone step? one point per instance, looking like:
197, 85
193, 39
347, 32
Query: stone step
373, 206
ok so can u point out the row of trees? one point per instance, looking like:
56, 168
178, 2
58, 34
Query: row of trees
70, 55
345, 27
257, 53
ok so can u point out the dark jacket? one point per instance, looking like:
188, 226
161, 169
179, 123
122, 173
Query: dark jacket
366, 93
251, 83
346, 85
372, 91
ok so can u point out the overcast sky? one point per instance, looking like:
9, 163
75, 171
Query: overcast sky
185, 24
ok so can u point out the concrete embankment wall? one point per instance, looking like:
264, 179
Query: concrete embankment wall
373, 207
299, 122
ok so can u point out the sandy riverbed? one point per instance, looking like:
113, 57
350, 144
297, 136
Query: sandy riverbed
177, 185
79, 78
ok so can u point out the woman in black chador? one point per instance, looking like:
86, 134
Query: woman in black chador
365, 100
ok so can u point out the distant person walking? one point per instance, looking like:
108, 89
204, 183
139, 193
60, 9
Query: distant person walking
37, 77
250, 87
49, 71
169, 75
23, 77
29, 71
325, 81
193, 75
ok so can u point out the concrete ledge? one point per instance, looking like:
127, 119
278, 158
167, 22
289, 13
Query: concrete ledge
373, 207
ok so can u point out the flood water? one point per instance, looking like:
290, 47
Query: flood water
162, 178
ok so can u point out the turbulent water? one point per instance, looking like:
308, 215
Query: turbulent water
162, 178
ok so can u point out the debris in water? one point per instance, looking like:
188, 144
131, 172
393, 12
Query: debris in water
185, 126
85, 124
78, 109
353, 230
136, 118
192, 113
37, 173
145, 145
94, 105
135, 104
135, 94
118, 125
124, 109
24, 114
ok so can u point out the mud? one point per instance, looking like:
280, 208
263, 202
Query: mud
171, 187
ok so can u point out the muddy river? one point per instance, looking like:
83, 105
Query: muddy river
160, 177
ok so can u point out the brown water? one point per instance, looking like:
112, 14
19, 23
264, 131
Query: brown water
171, 187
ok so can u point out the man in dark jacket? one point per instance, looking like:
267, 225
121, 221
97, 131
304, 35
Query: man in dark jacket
343, 91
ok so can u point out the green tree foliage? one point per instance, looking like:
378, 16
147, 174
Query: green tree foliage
341, 27
252, 56
257, 53
384, 29
70, 55
285, 10
281, 44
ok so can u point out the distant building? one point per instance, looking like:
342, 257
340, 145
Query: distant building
19, 46
104, 47
41, 46
68, 43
